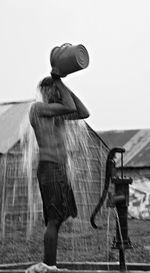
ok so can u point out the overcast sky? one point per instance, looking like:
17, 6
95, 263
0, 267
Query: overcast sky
116, 85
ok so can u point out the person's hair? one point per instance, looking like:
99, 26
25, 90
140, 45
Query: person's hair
49, 90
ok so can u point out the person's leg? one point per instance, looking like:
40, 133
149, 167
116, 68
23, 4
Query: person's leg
50, 242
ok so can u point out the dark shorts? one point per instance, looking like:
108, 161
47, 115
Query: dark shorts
57, 195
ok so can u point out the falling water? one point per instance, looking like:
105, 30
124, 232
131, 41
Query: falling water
76, 141
30, 159
86, 174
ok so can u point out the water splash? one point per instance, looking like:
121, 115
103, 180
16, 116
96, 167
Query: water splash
86, 165
30, 150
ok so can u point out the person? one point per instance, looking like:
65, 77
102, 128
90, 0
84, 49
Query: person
47, 118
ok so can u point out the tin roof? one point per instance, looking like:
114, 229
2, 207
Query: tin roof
135, 142
11, 115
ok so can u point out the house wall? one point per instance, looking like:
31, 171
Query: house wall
14, 192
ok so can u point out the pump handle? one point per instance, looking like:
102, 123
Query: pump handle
108, 175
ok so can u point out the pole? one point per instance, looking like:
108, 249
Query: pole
122, 260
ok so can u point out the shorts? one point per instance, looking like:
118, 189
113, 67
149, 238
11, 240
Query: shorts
57, 195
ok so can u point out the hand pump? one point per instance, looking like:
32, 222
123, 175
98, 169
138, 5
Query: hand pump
118, 200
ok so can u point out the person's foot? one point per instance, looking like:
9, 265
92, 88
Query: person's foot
41, 268
50, 267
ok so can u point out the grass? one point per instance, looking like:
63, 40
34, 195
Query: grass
87, 246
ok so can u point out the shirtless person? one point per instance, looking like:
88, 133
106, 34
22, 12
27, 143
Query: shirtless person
57, 196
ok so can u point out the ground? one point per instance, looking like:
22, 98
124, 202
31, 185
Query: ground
15, 249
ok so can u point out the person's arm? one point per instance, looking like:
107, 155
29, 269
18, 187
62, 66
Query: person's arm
82, 112
51, 109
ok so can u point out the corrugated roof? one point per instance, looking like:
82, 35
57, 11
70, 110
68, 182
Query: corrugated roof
11, 116
117, 138
4, 108
136, 144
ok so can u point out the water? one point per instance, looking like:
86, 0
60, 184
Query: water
21, 202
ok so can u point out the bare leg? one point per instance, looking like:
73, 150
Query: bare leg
50, 242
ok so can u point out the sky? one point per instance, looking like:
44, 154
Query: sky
114, 87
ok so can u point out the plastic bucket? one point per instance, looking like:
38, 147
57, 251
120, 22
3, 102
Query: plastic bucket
67, 59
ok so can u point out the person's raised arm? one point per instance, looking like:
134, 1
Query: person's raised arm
82, 111
51, 109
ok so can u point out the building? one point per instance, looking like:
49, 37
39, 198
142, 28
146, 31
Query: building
136, 165
137, 150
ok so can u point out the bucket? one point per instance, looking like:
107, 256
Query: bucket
68, 58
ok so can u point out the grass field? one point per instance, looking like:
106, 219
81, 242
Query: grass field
15, 249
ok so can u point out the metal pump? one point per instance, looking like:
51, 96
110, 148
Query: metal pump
119, 200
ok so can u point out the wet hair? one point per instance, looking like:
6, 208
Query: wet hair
49, 90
